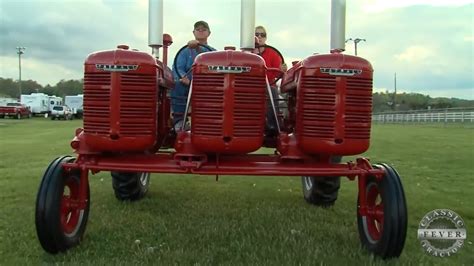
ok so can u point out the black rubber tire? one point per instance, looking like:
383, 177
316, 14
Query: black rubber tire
321, 191
49, 228
130, 186
394, 227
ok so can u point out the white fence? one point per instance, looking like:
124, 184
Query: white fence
453, 115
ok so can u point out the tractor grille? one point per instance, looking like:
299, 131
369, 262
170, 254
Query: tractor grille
249, 104
96, 103
208, 104
137, 104
358, 108
318, 106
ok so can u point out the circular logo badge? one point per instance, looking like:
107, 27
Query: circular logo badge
442, 232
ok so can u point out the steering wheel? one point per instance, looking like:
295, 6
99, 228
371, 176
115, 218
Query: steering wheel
272, 68
208, 49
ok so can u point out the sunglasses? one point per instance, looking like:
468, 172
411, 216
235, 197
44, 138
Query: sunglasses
260, 34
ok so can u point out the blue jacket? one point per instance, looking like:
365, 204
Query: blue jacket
184, 63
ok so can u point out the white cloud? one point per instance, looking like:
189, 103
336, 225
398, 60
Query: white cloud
38, 70
402, 36
416, 54
382, 5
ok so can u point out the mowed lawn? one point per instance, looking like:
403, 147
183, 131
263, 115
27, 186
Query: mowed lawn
239, 220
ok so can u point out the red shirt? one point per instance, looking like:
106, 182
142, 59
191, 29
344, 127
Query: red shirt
272, 60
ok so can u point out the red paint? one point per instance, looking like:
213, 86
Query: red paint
332, 113
228, 110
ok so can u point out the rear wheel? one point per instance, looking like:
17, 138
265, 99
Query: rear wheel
321, 191
130, 185
382, 229
60, 221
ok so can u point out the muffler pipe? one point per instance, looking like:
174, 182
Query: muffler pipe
155, 25
338, 26
247, 25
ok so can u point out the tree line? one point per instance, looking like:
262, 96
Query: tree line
382, 101
10, 88
386, 102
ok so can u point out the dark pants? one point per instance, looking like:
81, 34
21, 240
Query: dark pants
271, 128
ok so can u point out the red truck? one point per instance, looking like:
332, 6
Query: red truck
16, 110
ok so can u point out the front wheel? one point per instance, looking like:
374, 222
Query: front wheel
383, 226
130, 185
60, 220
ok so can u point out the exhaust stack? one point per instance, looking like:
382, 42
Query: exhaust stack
155, 25
338, 26
247, 25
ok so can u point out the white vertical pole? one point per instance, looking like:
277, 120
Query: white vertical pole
247, 25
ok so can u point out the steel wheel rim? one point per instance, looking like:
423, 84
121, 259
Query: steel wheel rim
373, 222
144, 178
308, 182
71, 215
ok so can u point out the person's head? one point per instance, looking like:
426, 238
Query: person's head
261, 35
201, 31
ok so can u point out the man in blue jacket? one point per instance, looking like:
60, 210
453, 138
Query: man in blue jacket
182, 70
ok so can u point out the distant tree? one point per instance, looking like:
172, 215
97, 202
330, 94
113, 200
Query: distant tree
48, 89
9, 88
69, 87
438, 103
30, 86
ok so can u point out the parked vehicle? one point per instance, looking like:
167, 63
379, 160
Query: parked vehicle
61, 112
75, 102
127, 130
5, 100
37, 102
16, 110
54, 101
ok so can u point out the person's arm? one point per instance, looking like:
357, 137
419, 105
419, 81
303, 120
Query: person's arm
181, 62
276, 60
182, 66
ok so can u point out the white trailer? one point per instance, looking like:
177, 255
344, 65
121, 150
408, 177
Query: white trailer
38, 102
75, 102
54, 101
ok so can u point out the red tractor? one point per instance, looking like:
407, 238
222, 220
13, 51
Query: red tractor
127, 131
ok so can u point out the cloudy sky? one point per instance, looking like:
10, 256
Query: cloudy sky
428, 43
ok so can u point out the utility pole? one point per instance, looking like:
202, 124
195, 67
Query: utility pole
395, 91
21, 50
356, 41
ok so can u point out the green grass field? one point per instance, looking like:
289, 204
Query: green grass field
239, 220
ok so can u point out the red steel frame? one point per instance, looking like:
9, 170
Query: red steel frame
250, 164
